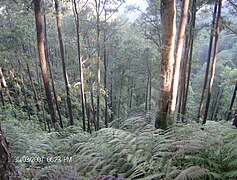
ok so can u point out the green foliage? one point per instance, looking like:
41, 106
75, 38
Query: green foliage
130, 148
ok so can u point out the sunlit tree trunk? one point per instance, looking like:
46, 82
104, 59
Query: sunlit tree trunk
4, 85
212, 75
208, 63
77, 21
40, 43
168, 16
58, 19
178, 56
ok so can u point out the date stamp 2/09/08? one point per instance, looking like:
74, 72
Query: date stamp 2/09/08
43, 159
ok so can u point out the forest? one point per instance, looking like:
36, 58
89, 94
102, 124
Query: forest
110, 90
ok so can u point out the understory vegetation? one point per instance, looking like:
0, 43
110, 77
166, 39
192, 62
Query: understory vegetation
129, 149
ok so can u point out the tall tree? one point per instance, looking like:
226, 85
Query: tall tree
77, 21
212, 75
98, 30
58, 19
191, 43
168, 17
40, 42
178, 55
49, 59
208, 62
105, 71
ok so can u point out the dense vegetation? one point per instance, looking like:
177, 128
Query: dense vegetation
92, 114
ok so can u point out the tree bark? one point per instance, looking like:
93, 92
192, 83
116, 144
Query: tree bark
7, 167
58, 19
235, 119
105, 75
168, 17
191, 43
77, 20
212, 75
208, 63
33, 87
4, 85
97, 4
178, 56
40, 43
49, 59
93, 106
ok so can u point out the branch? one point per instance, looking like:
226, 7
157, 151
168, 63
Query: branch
233, 4
233, 31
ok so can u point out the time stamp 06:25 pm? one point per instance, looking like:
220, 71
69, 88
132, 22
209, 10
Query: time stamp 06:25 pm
43, 159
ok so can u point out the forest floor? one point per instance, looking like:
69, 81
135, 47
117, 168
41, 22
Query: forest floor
129, 149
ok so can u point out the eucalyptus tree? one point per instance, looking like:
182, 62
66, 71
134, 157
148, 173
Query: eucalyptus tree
58, 19
41, 50
83, 100
168, 17
178, 55
208, 62
212, 75
190, 56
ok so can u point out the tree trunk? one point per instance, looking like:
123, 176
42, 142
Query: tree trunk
98, 62
111, 97
7, 167
48, 59
93, 107
77, 20
178, 56
191, 42
120, 94
208, 63
105, 76
232, 102
168, 17
235, 119
4, 85
217, 108
39, 81
33, 87
212, 75
88, 116
149, 99
58, 19
40, 43
183, 77
1, 94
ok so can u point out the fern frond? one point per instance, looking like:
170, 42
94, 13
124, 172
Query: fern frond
193, 172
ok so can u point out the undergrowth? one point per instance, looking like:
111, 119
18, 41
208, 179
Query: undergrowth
129, 149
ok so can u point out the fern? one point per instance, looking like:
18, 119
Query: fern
193, 172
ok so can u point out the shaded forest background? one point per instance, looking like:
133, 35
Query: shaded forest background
104, 71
